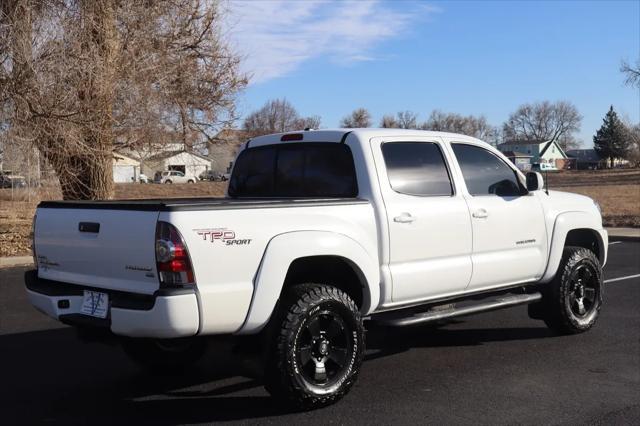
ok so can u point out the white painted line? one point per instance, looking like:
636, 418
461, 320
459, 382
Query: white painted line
628, 277
615, 242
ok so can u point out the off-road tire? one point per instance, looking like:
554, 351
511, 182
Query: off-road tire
168, 181
164, 356
191, 181
285, 372
558, 307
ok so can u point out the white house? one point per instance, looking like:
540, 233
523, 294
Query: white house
125, 168
224, 147
521, 160
547, 155
188, 163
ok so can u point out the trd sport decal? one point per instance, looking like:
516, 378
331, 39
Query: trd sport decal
222, 235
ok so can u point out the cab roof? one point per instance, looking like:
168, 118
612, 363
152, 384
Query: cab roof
363, 134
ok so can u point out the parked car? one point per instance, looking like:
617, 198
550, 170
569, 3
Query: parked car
8, 180
319, 231
544, 167
143, 178
211, 176
173, 176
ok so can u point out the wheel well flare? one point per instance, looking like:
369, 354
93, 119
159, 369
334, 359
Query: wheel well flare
586, 238
332, 270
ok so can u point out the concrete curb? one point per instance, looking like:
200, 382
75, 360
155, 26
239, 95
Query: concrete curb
9, 262
624, 234
627, 238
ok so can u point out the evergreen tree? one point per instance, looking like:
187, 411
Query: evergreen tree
610, 141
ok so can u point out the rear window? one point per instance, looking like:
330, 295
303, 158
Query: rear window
295, 170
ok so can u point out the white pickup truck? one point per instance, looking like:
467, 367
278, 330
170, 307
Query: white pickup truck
319, 231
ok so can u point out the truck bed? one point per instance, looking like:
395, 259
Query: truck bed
199, 203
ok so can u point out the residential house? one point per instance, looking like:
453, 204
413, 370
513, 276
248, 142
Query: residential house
186, 162
126, 168
224, 147
521, 160
587, 159
545, 155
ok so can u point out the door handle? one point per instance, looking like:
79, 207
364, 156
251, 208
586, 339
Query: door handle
404, 218
480, 214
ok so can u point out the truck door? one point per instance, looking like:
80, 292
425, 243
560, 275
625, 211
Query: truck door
428, 220
509, 234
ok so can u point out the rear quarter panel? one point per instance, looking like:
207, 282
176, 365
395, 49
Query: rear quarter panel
227, 248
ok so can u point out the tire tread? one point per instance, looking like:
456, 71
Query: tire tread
553, 310
279, 377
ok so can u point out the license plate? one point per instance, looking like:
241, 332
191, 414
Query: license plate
95, 304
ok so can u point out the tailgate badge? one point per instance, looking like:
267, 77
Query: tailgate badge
45, 263
149, 271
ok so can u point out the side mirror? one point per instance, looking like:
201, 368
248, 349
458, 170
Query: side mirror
535, 182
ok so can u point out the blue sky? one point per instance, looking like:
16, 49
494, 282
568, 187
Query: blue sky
470, 57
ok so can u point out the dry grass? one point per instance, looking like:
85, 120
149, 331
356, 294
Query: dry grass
620, 203
617, 191
201, 189
597, 177
16, 212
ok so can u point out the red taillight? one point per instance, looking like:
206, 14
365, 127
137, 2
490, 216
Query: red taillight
292, 137
172, 257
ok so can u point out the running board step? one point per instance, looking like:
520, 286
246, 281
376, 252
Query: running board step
437, 315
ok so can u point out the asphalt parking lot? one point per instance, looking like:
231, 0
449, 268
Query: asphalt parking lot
493, 368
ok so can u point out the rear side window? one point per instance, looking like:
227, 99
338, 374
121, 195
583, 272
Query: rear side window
484, 173
295, 170
417, 168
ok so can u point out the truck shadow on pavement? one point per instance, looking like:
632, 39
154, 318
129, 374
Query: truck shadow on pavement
386, 341
51, 377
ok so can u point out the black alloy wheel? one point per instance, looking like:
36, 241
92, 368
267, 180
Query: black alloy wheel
572, 300
317, 347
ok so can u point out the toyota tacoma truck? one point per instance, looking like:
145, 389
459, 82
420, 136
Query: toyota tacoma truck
319, 232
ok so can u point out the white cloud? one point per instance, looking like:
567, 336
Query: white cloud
276, 36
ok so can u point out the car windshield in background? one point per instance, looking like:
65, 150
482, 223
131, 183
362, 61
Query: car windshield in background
295, 170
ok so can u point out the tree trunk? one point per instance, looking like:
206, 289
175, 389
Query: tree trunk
611, 162
84, 170
94, 167
84, 178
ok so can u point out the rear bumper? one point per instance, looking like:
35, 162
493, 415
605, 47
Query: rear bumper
165, 314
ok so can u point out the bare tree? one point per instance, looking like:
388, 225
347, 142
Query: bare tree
632, 74
407, 120
80, 75
312, 122
402, 120
359, 118
477, 127
633, 149
544, 121
277, 116
389, 122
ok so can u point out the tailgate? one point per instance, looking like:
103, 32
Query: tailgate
110, 249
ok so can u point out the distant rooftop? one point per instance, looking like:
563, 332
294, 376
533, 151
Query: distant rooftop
169, 154
517, 154
584, 154
523, 142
